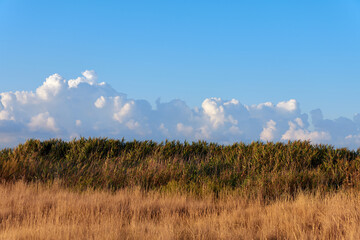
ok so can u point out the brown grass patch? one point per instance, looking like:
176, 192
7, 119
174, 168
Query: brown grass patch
50, 212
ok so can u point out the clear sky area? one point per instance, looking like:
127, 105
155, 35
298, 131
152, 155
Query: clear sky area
250, 51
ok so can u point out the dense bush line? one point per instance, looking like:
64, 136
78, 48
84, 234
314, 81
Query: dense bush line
266, 170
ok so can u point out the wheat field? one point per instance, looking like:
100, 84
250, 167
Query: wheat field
38, 211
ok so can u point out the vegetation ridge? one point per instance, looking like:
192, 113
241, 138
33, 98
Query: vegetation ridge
257, 170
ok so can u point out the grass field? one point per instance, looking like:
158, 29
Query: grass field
112, 189
35, 211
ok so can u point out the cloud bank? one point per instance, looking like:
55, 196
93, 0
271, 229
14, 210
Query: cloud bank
78, 107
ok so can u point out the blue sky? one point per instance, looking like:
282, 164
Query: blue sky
253, 51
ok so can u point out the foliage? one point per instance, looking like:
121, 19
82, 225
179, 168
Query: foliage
265, 170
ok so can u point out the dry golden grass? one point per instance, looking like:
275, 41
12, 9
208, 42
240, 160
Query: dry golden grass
51, 212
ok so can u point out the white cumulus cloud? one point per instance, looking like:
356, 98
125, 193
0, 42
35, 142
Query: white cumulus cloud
89, 77
50, 88
124, 111
43, 122
268, 133
289, 106
100, 102
83, 107
297, 132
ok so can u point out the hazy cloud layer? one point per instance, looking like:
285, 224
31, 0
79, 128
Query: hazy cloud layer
72, 108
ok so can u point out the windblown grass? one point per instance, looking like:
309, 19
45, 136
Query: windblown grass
38, 211
266, 170
111, 189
